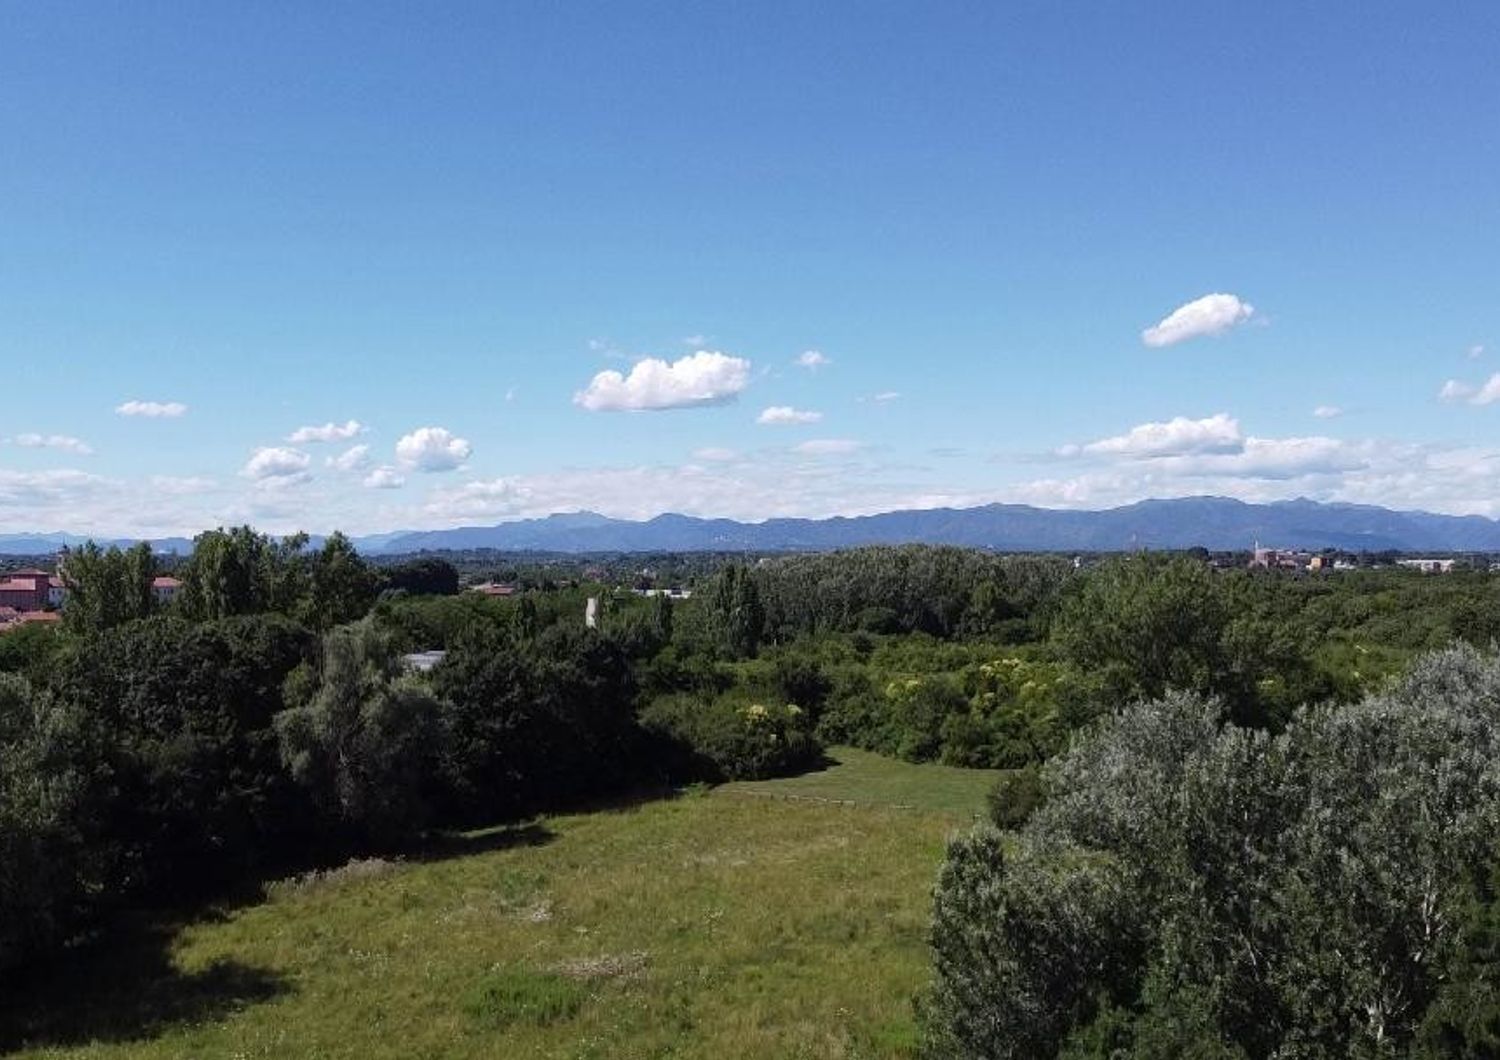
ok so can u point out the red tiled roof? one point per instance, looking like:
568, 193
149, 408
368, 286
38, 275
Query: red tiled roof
40, 616
165, 582
19, 585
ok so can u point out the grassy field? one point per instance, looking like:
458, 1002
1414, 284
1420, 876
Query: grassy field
721, 925
861, 777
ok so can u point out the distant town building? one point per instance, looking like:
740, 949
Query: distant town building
670, 594
26, 590
591, 613
165, 588
1428, 566
494, 589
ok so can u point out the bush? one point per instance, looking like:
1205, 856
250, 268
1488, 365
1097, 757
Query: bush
1190, 888
731, 740
1017, 794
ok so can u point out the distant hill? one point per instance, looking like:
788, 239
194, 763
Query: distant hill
1186, 522
1212, 522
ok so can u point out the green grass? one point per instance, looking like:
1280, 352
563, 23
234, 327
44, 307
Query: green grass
862, 777
714, 925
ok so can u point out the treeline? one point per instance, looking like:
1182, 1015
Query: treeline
153, 751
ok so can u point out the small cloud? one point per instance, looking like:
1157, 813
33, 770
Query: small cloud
1328, 412
885, 397
432, 449
1487, 393
1213, 314
385, 477
329, 432
714, 454
784, 414
152, 409
65, 442
702, 378
351, 459
1453, 390
1476, 351
510, 395
827, 447
274, 464
813, 360
1179, 436
696, 342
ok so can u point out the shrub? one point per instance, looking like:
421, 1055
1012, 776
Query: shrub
733, 740
1190, 888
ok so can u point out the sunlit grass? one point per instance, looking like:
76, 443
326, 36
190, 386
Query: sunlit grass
713, 925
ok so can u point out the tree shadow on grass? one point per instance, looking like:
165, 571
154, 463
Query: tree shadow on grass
442, 846
123, 987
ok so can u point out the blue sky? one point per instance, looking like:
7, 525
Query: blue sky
444, 223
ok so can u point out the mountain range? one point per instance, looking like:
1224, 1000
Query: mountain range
1186, 522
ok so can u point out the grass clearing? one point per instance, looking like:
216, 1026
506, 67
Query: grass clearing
864, 777
713, 925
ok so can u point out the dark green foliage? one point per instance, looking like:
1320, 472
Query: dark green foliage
534, 723
341, 586
43, 877
180, 716
730, 739
29, 649
736, 614
366, 742
1017, 795
425, 576
1211, 891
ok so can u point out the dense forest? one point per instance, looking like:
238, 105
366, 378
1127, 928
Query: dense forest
1244, 813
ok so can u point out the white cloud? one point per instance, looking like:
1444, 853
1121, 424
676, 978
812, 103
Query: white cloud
715, 454
1476, 351
827, 447
885, 397
1178, 436
1487, 393
152, 409
329, 432
352, 459
1453, 390
42, 487
1213, 314
182, 485
65, 442
783, 414
1328, 412
276, 465
432, 449
813, 360
702, 378
385, 477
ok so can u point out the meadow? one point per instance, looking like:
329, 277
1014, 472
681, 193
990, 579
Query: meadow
751, 920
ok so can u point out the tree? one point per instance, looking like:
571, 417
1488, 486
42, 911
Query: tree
341, 585
106, 588
427, 576
737, 612
367, 741
241, 572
